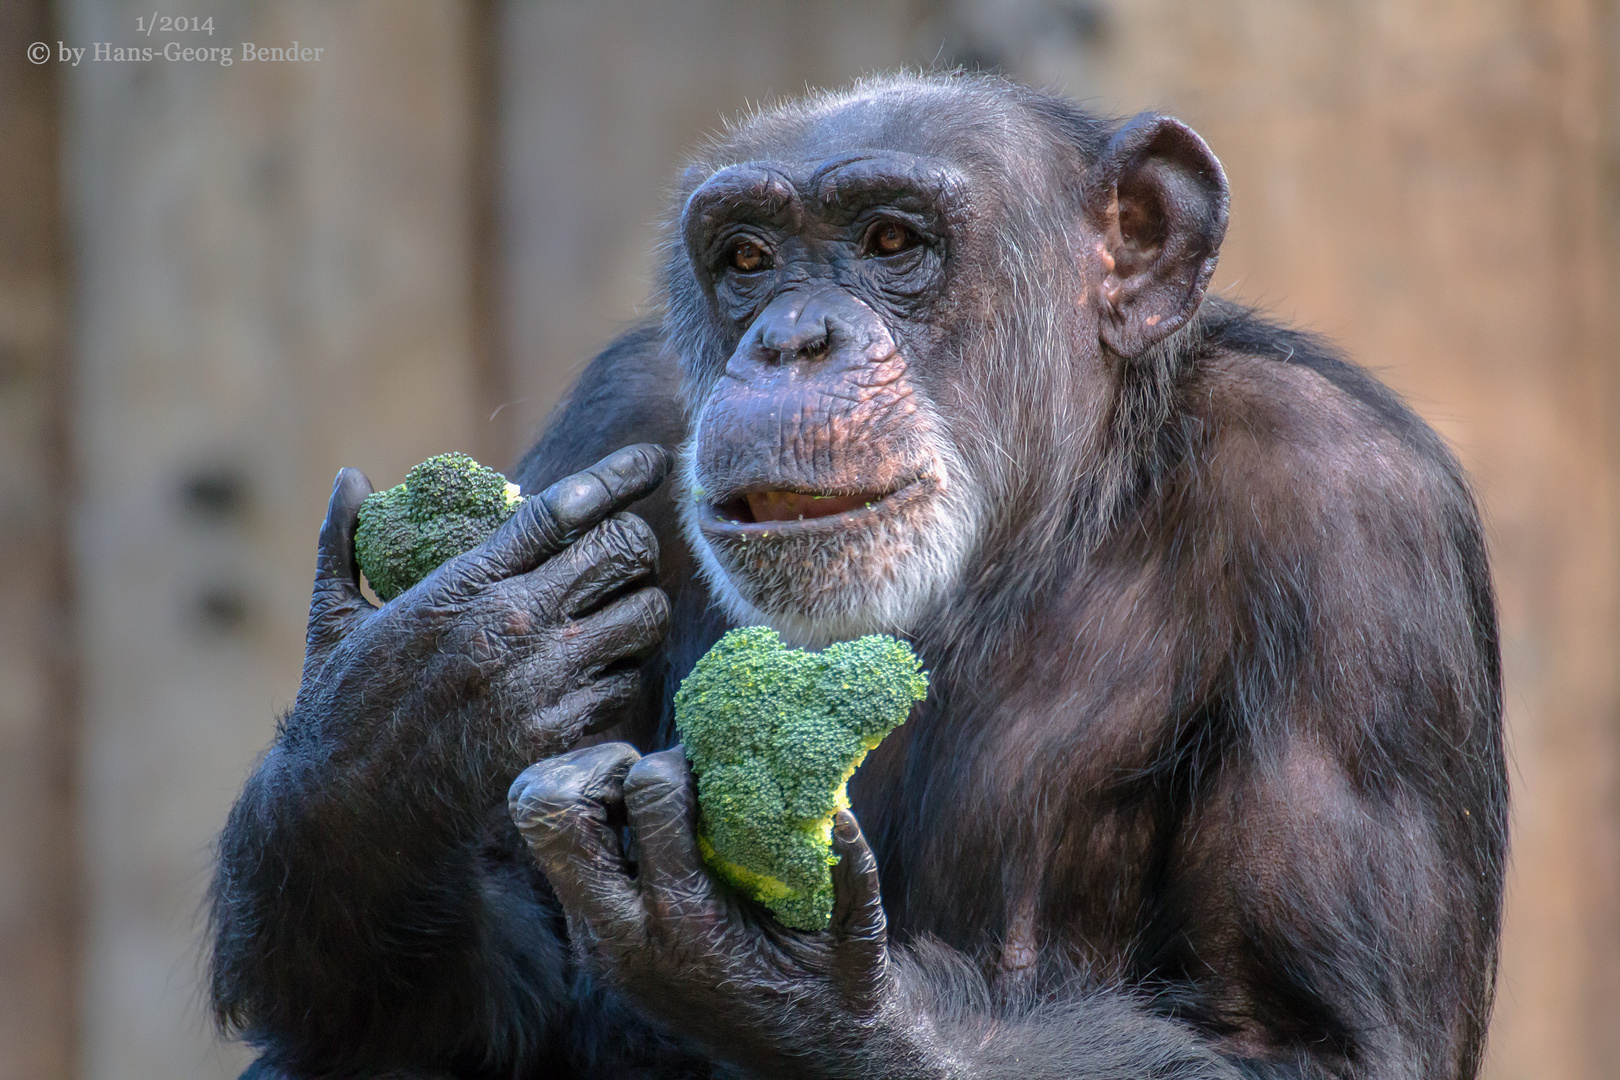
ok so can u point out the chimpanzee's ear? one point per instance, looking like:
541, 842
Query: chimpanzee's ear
1157, 199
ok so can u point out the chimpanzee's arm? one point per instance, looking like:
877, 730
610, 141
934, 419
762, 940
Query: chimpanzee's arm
370, 906
374, 906
1347, 917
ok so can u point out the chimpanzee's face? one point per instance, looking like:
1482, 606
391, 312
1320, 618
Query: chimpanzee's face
904, 319
825, 494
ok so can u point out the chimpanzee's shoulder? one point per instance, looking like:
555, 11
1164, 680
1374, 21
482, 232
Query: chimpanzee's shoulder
1303, 458
1288, 403
629, 393
1240, 331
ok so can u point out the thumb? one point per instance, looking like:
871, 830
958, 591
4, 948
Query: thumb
337, 603
859, 928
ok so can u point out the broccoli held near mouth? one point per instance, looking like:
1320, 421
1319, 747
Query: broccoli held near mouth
447, 505
774, 734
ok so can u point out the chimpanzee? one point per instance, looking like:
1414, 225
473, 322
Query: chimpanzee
1210, 779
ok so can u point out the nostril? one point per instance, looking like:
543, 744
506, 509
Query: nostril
795, 349
795, 328
812, 350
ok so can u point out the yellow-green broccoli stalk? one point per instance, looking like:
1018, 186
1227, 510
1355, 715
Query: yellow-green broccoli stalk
774, 734
447, 505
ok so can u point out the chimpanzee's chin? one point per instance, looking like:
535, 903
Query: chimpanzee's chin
878, 569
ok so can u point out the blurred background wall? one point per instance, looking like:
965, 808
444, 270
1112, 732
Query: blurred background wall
219, 284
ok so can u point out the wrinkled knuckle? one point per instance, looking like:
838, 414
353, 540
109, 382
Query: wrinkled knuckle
640, 464
482, 647
637, 538
539, 525
330, 589
605, 545
467, 574
560, 724
554, 576
541, 796
607, 701
537, 816
520, 794
646, 621
543, 827
615, 548
656, 459
655, 778
571, 641
508, 618
656, 610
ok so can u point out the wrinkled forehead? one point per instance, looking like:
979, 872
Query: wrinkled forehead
925, 130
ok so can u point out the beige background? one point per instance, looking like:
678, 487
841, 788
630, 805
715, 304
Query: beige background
219, 284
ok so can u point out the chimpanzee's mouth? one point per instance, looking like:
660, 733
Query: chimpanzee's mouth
764, 506
777, 509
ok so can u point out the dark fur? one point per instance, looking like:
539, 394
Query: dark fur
1215, 732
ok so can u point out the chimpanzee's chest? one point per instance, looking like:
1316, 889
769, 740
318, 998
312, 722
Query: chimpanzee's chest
1010, 839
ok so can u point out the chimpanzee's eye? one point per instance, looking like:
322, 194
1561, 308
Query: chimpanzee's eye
890, 238
747, 257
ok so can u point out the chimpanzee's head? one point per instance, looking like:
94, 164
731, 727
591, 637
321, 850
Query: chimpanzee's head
908, 317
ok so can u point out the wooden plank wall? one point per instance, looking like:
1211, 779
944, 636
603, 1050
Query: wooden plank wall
274, 279
39, 872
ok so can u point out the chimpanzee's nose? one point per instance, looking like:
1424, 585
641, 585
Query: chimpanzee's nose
796, 326
819, 329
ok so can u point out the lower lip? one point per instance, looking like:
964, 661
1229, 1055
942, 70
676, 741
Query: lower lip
714, 522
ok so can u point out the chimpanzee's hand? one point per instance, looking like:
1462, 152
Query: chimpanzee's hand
526, 635
707, 963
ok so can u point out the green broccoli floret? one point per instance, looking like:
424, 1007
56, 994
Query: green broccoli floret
447, 505
774, 734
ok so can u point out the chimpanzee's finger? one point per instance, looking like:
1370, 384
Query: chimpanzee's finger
616, 554
662, 806
549, 521
630, 628
337, 600
859, 929
561, 808
587, 710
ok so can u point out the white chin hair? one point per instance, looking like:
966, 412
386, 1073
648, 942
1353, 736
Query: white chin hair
883, 581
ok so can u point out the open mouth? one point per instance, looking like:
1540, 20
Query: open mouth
784, 509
